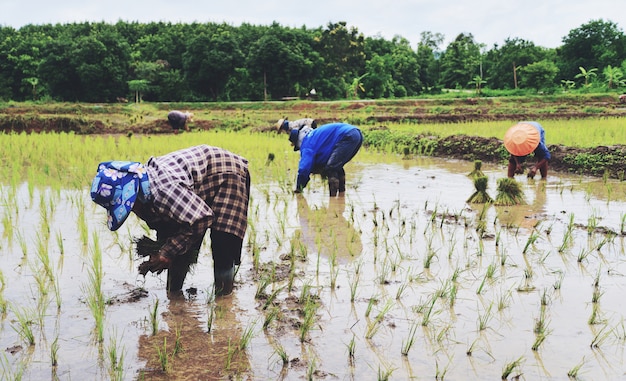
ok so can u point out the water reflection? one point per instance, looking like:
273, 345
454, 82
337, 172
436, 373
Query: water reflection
324, 229
196, 349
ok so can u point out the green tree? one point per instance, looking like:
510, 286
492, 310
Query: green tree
342, 50
588, 75
209, 61
477, 82
138, 86
539, 75
460, 62
427, 50
597, 44
613, 76
501, 62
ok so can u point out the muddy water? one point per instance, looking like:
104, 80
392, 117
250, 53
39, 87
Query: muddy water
397, 260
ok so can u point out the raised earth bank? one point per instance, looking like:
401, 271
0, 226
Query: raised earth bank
374, 117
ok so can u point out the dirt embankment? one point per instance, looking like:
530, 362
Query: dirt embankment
122, 119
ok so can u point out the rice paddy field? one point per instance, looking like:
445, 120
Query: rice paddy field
399, 279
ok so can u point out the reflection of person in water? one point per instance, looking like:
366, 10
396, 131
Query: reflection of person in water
197, 351
325, 229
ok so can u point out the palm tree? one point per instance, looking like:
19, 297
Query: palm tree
587, 74
613, 76
477, 81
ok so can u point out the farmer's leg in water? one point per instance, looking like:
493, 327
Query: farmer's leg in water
345, 149
180, 267
226, 250
342, 180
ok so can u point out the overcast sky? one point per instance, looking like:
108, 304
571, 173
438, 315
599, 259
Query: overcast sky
543, 22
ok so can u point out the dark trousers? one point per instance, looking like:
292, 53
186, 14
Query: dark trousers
345, 149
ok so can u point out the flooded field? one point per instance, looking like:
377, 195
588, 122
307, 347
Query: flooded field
400, 279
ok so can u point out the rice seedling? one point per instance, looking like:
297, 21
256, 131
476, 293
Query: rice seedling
24, 319
310, 311
559, 282
545, 297
600, 337
311, 368
408, 343
163, 356
567, 236
477, 171
582, 255
401, 290
480, 196
262, 285
483, 319
428, 312
351, 346
246, 336
178, 345
116, 360
595, 317
271, 297
508, 368
595, 297
280, 351
154, 317
384, 374
54, 352
574, 372
596, 279
534, 235
95, 296
509, 192
270, 316
354, 284
539, 339
440, 374
370, 304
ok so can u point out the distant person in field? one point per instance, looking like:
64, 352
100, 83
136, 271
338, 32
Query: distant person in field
179, 120
325, 150
285, 125
523, 139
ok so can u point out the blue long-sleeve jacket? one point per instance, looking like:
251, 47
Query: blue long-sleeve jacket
316, 149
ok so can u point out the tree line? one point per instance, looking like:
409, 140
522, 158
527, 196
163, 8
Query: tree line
176, 62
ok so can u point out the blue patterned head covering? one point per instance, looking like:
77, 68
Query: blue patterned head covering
115, 188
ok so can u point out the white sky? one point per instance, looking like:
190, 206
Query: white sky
543, 22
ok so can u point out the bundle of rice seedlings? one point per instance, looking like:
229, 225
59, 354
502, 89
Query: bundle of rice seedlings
509, 192
477, 172
480, 196
145, 246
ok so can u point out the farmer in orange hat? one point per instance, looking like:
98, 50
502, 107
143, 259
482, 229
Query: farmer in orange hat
523, 139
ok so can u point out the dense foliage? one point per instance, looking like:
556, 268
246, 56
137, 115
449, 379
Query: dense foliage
100, 62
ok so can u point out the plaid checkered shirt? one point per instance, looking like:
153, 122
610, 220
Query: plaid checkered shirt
195, 189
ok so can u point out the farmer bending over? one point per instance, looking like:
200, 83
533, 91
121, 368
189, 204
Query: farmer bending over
285, 125
522, 139
325, 150
178, 120
181, 195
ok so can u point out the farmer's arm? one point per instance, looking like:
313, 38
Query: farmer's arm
193, 218
307, 157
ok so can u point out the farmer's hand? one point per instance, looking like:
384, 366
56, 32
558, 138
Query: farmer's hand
532, 172
519, 169
156, 264
297, 190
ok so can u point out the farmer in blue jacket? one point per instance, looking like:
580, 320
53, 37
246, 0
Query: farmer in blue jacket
325, 150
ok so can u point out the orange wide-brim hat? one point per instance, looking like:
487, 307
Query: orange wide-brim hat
521, 139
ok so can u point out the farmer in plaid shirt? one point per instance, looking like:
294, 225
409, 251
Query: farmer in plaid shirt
181, 195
